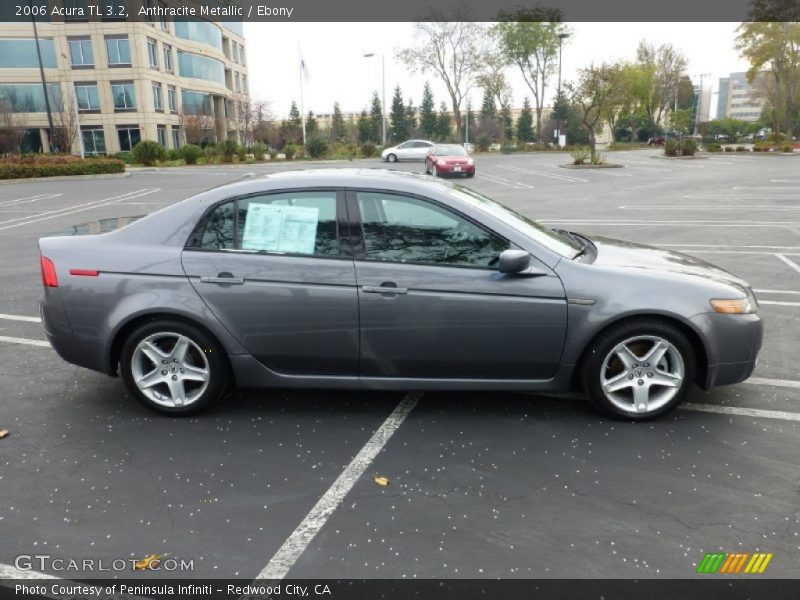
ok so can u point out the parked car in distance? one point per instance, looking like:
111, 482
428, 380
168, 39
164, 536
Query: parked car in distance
410, 150
374, 279
449, 159
656, 141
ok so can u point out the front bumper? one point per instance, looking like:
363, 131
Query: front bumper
732, 345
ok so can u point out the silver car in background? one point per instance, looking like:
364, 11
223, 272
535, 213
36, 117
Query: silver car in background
386, 280
410, 150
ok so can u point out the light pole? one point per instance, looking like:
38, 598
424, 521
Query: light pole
697, 103
383, 90
561, 38
44, 81
75, 103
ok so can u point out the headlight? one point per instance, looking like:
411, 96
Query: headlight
738, 306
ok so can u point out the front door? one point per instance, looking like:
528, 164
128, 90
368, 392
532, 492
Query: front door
434, 305
271, 269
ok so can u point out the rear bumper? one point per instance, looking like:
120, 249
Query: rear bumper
72, 348
732, 346
451, 169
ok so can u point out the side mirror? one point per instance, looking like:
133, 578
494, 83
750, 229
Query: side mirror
514, 261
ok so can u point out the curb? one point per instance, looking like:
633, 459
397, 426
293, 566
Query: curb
661, 157
603, 166
63, 178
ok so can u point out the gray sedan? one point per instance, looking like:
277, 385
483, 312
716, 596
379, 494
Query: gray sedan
384, 280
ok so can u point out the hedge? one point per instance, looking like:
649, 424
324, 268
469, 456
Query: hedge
27, 167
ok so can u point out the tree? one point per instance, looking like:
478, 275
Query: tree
529, 39
411, 118
525, 123
398, 117
444, 125
366, 132
312, 126
12, 131
65, 120
376, 117
338, 128
488, 108
506, 124
594, 95
452, 50
427, 116
257, 120
774, 47
496, 88
292, 128
660, 71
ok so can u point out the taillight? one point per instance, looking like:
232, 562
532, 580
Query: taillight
49, 278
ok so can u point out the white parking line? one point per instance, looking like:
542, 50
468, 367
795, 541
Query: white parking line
742, 412
777, 291
29, 199
779, 302
12, 572
20, 221
684, 223
20, 318
294, 546
790, 383
26, 341
543, 174
791, 263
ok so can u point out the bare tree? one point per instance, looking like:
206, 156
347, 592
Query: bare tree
11, 130
256, 118
65, 119
451, 50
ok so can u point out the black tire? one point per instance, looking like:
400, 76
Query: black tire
602, 346
471, 174
391, 158
218, 376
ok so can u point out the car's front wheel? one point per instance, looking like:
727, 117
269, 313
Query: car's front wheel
392, 158
173, 367
639, 369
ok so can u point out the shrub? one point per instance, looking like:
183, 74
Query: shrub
173, 154
317, 147
713, 146
728, 148
227, 150
787, 148
125, 157
273, 154
289, 150
25, 167
688, 148
210, 153
190, 153
741, 149
258, 150
484, 141
580, 154
671, 148
300, 152
148, 152
368, 149
507, 148
598, 159
241, 152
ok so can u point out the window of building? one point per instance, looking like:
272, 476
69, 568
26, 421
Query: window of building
124, 94
158, 97
163, 17
80, 52
204, 32
200, 67
152, 53
176, 136
169, 67
197, 103
119, 51
235, 48
172, 99
241, 56
129, 136
94, 140
161, 133
87, 96
29, 97
16, 53
237, 82
244, 83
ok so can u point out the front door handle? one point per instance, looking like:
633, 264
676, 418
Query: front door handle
383, 289
225, 278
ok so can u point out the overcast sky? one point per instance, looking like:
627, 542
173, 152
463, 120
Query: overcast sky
333, 53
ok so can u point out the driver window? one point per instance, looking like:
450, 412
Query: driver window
404, 229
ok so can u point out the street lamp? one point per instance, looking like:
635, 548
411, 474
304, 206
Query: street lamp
75, 104
383, 86
697, 103
561, 38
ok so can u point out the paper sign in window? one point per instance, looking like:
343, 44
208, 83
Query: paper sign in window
291, 229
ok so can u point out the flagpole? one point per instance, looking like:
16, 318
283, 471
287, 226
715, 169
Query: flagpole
302, 105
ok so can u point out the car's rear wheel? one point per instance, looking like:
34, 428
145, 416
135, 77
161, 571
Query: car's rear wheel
639, 369
173, 367
391, 158
471, 174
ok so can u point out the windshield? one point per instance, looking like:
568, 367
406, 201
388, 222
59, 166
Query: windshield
450, 150
557, 242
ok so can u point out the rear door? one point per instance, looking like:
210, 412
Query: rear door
420, 150
434, 305
274, 270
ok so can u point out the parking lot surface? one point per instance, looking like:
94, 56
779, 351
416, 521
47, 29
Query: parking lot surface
276, 482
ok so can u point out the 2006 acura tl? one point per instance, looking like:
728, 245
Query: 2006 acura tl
381, 280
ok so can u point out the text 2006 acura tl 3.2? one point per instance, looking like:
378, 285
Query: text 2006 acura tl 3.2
379, 280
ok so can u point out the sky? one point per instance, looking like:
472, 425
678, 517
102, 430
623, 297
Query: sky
338, 71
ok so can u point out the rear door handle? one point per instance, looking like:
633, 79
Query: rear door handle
230, 280
383, 289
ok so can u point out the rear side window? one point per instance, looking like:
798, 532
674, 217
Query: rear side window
284, 223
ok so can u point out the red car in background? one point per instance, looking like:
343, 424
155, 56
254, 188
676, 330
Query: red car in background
449, 159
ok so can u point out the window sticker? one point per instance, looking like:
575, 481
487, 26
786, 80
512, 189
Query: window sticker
274, 228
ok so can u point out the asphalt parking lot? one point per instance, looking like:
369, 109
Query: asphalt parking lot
481, 485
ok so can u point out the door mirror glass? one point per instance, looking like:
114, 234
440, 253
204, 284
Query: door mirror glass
514, 261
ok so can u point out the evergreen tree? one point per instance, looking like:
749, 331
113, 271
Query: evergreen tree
488, 108
411, 119
312, 126
292, 129
506, 124
366, 133
444, 124
525, 123
294, 115
376, 116
427, 115
398, 117
338, 129
472, 124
